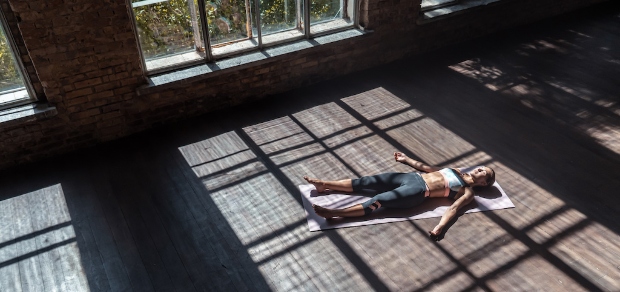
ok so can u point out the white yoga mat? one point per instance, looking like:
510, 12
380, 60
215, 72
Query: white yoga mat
491, 198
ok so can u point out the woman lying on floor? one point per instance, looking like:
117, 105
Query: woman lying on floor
406, 190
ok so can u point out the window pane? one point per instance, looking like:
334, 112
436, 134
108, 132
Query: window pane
326, 15
231, 25
169, 32
279, 20
321, 10
12, 86
278, 15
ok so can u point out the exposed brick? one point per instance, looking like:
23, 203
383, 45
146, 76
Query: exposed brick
82, 56
76, 101
100, 95
88, 82
85, 114
309, 64
80, 92
109, 123
111, 115
297, 61
119, 76
130, 81
123, 90
261, 71
106, 86
19, 6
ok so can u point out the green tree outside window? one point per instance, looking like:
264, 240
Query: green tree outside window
9, 76
166, 27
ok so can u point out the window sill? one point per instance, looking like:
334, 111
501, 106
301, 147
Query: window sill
26, 113
428, 5
254, 58
452, 10
12, 96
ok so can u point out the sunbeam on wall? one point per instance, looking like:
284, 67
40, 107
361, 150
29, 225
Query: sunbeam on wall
38, 248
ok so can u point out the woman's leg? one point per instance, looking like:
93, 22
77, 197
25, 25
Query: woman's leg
411, 193
333, 185
381, 183
401, 197
353, 211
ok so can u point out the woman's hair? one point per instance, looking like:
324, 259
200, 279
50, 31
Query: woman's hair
490, 177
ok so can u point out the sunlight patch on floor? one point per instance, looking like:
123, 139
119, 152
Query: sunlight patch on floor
338, 140
38, 248
597, 118
487, 75
607, 136
258, 207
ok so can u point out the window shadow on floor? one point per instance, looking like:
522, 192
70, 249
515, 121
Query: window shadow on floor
213, 203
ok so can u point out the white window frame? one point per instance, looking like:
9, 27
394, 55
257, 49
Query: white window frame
208, 50
21, 69
445, 3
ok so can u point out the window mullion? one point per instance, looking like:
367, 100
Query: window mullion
205, 29
258, 29
194, 21
307, 18
356, 13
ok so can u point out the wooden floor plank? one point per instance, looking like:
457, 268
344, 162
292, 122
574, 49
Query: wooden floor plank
84, 207
29, 267
138, 212
183, 210
46, 212
163, 215
212, 203
129, 255
9, 250
106, 270
223, 244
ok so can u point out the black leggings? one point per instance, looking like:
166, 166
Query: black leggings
397, 190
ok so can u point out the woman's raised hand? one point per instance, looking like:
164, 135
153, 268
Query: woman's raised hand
400, 157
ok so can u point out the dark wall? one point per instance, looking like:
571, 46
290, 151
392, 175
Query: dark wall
83, 59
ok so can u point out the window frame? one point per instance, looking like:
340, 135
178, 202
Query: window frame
205, 37
21, 69
438, 6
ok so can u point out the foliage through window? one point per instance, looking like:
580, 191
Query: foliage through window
12, 85
172, 32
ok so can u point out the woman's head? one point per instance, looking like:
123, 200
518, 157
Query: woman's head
482, 176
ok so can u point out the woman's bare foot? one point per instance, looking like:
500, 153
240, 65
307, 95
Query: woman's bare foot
435, 234
318, 184
323, 212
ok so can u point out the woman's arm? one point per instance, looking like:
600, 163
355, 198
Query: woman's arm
402, 158
462, 201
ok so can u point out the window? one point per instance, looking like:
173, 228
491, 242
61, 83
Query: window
175, 33
13, 89
435, 4
432, 10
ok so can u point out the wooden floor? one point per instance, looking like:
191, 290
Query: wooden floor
212, 203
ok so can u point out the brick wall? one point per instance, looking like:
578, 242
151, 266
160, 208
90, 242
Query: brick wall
83, 59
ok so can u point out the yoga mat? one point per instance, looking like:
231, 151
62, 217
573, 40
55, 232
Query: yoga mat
491, 198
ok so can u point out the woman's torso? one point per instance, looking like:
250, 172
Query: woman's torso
439, 183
